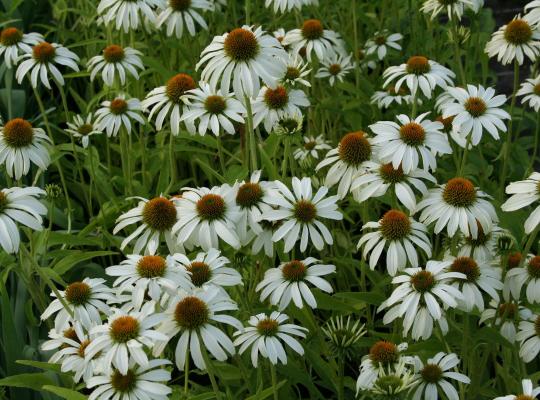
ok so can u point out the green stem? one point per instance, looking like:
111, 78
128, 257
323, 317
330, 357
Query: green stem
414, 110
341, 376
220, 154
250, 134
124, 155
457, 52
464, 158
248, 11
209, 368
286, 155
535, 145
9, 85
274, 381
529, 244
186, 373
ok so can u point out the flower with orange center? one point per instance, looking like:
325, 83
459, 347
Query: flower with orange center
116, 62
529, 392
335, 68
311, 148
528, 275
13, 43
384, 353
382, 42
313, 36
530, 90
83, 128
119, 114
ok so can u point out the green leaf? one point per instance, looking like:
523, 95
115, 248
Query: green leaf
34, 381
41, 365
373, 298
266, 392
64, 393
77, 256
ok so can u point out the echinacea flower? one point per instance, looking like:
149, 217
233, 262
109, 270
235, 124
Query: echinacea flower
453, 9
297, 71
87, 300
505, 314
289, 282
529, 393
13, 43
127, 14
524, 193
300, 214
400, 234
156, 217
529, 336
527, 275
532, 9
311, 148
265, 336
283, 5
515, 41
40, 62
343, 334
83, 128
180, 15
381, 42
114, 62
386, 98
419, 73
393, 381
263, 240
409, 142
335, 67
193, 316
242, 57
484, 246
458, 205
530, 90
348, 160
118, 114
314, 39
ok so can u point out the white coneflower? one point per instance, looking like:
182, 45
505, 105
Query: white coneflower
296, 72
215, 111
528, 392
156, 218
458, 205
13, 43
150, 275
529, 276
118, 113
524, 193
115, 61
348, 160
180, 14
386, 98
265, 336
193, 316
137, 383
82, 128
301, 213
410, 141
87, 300
417, 298
453, 8
283, 5
314, 39
242, 57
274, 104
529, 336
419, 73
400, 234
505, 315
311, 148
532, 9
128, 14
125, 337
169, 99
40, 62
475, 109
380, 43
19, 205
515, 41
289, 125
263, 240
335, 67
289, 282
380, 177
436, 374
530, 90
484, 246
21, 145
206, 215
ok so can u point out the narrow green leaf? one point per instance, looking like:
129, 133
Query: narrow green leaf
65, 393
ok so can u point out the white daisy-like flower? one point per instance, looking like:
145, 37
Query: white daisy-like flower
528, 391
505, 315
13, 43
419, 72
125, 337
114, 62
380, 177
381, 42
263, 240
296, 72
435, 376
241, 58
385, 98
156, 217
484, 246
150, 275
394, 380
283, 5
206, 215
301, 213
289, 282
348, 160
454, 8
169, 99
515, 41
458, 205
118, 113
21, 145
180, 14
311, 148
524, 193
128, 14
335, 67
19, 205
214, 110
476, 109
138, 383
399, 233
83, 128
289, 125
40, 62
528, 275
87, 300
193, 316
417, 298
530, 90
529, 336
410, 141
272, 105
532, 9
209, 269
314, 39
265, 336
480, 277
